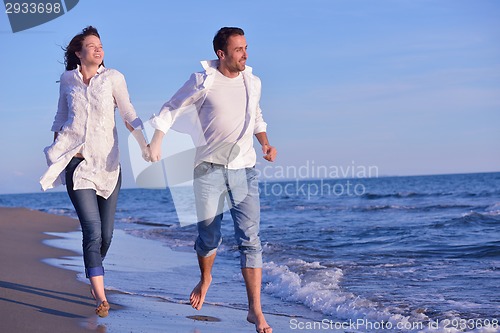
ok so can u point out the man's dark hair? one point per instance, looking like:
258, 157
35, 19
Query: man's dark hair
221, 37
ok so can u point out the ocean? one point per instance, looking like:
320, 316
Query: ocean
404, 254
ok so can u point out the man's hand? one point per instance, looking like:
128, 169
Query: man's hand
155, 146
269, 152
146, 153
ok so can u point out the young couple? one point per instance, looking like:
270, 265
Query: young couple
84, 155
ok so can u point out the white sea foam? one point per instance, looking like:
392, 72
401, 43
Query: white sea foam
319, 288
493, 210
61, 211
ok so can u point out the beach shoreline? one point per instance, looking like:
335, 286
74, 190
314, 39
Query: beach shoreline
429, 228
41, 287
34, 296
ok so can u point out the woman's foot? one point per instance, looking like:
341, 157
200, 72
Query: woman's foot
97, 291
103, 309
260, 322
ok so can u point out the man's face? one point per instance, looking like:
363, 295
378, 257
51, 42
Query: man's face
236, 56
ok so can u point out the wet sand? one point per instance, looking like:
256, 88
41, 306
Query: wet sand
34, 296
38, 297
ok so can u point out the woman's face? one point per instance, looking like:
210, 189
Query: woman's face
92, 52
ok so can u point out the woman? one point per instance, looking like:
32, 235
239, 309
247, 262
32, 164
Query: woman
84, 154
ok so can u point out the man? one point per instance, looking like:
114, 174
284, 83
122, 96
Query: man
226, 96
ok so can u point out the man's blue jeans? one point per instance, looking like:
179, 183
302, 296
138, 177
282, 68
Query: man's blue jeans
97, 218
213, 183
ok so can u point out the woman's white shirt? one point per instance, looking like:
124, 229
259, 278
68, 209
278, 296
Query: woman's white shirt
85, 122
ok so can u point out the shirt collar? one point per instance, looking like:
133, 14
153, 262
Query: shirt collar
99, 70
210, 66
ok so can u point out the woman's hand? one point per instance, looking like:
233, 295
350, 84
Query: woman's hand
141, 140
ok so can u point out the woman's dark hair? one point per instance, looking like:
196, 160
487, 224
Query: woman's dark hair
70, 59
220, 39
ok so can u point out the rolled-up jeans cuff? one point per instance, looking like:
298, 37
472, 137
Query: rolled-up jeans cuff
203, 253
251, 261
94, 271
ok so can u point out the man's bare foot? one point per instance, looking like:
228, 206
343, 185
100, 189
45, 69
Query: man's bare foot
199, 292
259, 321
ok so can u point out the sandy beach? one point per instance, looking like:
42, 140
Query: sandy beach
34, 296
39, 297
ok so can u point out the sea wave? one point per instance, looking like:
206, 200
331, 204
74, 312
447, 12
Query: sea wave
397, 195
59, 211
411, 194
469, 219
478, 218
141, 221
174, 237
319, 288
424, 208
493, 209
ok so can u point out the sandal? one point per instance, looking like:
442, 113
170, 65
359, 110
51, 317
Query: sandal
103, 309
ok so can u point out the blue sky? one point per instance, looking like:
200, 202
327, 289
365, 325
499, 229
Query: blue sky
409, 86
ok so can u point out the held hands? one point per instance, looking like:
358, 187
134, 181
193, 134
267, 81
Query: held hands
146, 153
155, 146
269, 152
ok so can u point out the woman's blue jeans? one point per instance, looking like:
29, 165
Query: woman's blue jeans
97, 218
